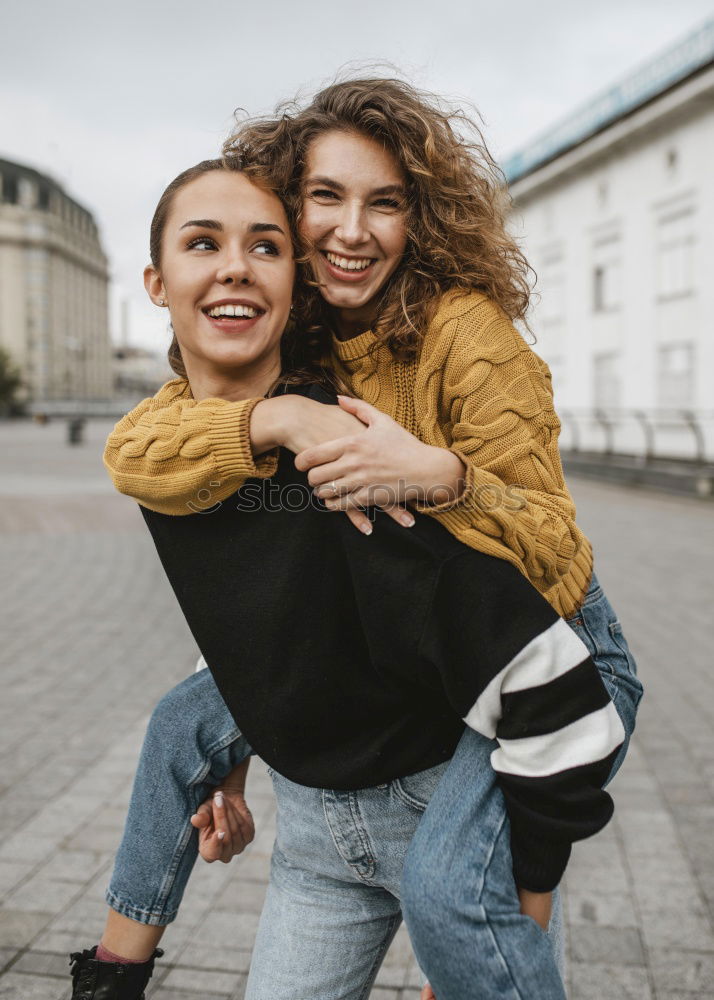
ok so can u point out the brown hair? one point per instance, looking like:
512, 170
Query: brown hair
156, 233
457, 201
300, 357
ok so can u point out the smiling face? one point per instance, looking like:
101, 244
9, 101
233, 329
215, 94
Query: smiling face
226, 273
354, 215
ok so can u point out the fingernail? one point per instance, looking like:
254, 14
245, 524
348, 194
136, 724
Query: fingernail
407, 520
218, 799
366, 529
221, 834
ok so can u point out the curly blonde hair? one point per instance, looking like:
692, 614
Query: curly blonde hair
456, 200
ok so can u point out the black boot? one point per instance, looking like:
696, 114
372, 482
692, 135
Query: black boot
95, 980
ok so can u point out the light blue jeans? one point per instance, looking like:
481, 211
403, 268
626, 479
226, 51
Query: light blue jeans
334, 902
597, 625
192, 742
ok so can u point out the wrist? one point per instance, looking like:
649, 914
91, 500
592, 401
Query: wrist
231, 789
270, 420
445, 477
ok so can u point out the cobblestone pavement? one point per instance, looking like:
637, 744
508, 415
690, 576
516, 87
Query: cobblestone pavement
91, 636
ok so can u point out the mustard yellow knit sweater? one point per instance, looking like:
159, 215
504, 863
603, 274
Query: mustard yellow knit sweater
476, 388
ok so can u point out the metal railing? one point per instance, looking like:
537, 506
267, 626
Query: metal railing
653, 435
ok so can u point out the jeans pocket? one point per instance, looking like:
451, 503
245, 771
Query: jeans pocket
416, 790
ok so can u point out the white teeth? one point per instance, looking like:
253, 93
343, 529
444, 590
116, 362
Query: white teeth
349, 263
242, 312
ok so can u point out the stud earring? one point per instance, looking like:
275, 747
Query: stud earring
161, 302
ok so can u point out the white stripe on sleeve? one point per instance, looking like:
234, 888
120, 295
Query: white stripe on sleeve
551, 654
585, 741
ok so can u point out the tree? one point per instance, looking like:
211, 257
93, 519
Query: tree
10, 381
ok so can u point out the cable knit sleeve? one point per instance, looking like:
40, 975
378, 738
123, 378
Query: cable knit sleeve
483, 393
176, 456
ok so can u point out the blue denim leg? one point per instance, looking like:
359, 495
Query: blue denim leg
191, 744
459, 899
332, 906
597, 625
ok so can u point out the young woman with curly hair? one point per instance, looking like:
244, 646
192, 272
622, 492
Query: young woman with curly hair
415, 287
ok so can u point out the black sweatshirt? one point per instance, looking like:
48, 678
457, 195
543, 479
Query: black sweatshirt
348, 661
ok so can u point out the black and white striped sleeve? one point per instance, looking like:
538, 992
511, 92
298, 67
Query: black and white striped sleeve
517, 673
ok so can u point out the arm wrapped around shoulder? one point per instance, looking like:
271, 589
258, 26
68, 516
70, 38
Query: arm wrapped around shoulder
178, 456
483, 393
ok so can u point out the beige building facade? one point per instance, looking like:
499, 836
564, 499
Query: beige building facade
54, 315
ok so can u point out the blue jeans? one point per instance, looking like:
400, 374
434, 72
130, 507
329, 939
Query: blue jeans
597, 625
333, 901
191, 744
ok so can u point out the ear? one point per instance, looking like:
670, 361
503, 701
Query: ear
154, 285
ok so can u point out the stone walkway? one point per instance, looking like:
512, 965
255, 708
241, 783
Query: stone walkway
91, 636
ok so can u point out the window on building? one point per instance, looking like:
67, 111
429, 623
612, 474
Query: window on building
9, 189
607, 384
675, 255
675, 375
27, 192
607, 274
606, 286
551, 281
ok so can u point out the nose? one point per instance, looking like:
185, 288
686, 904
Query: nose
352, 229
235, 269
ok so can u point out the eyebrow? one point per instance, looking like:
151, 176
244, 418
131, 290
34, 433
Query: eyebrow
256, 227
328, 182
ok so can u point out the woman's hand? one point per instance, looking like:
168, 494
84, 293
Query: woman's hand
301, 425
383, 466
224, 821
537, 905
316, 423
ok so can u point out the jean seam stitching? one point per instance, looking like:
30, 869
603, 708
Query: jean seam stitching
379, 957
497, 949
362, 833
122, 906
333, 834
408, 799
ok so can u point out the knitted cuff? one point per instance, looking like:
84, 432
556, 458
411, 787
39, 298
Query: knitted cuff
538, 864
229, 434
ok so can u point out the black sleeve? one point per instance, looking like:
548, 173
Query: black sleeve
517, 673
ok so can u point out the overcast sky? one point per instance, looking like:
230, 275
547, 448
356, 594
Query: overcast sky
115, 98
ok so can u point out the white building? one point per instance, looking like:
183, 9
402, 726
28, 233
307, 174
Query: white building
615, 207
53, 289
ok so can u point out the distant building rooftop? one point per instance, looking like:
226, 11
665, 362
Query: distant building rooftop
682, 60
27, 187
